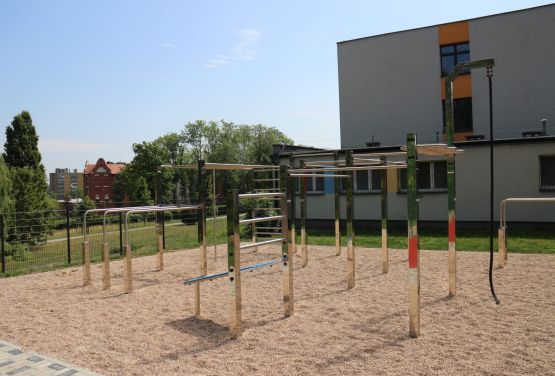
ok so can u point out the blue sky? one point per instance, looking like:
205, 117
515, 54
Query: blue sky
98, 76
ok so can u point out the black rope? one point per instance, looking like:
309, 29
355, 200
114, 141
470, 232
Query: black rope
490, 75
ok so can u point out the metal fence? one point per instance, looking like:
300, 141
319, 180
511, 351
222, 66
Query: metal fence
39, 241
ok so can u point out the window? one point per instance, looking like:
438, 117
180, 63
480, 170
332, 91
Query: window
106, 196
453, 54
547, 173
462, 111
430, 177
368, 181
312, 185
97, 197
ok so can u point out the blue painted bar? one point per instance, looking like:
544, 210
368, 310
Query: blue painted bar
224, 274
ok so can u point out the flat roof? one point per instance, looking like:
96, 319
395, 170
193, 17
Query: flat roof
446, 23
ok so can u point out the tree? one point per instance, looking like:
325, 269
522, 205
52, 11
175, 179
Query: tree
21, 147
33, 205
86, 204
6, 197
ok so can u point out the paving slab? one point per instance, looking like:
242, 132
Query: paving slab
16, 361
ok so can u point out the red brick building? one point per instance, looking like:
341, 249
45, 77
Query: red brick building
99, 181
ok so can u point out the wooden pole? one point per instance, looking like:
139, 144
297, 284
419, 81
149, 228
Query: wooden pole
253, 229
86, 264
286, 246
350, 218
293, 208
127, 270
234, 263
337, 186
502, 239
106, 266
304, 235
452, 252
414, 262
160, 247
385, 246
201, 226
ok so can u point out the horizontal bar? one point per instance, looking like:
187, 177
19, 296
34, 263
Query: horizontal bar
344, 169
266, 242
256, 195
435, 149
267, 209
264, 180
530, 199
266, 170
225, 274
261, 219
221, 166
385, 154
319, 176
269, 228
313, 154
268, 233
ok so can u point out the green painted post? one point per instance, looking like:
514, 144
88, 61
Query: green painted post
293, 209
350, 217
385, 246
337, 191
414, 262
234, 263
286, 246
304, 235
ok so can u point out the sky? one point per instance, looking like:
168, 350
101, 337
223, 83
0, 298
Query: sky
98, 76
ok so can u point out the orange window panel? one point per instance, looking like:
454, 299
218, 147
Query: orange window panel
456, 32
462, 87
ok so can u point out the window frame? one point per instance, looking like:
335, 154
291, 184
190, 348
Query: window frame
371, 189
545, 188
433, 188
455, 54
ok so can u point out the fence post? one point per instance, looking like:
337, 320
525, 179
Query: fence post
2, 243
68, 235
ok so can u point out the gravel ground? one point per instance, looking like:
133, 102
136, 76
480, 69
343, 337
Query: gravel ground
334, 331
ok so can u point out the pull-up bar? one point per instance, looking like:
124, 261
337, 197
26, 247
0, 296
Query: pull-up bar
222, 166
211, 277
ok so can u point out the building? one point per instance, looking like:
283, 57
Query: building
392, 84
64, 181
99, 179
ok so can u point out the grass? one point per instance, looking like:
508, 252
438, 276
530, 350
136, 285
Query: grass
53, 254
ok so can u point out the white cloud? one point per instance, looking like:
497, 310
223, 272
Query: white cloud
64, 145
243, 50
168, 45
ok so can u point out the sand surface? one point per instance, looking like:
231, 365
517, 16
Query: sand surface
334, 331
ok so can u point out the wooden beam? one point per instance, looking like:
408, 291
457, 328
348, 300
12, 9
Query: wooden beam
385, 246
106, 266
304, 247
414, 262
234, 263
350, 230
86, 263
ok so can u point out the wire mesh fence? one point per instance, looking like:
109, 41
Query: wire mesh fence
40, 241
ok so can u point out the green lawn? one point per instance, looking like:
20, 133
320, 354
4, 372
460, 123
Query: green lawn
53, 254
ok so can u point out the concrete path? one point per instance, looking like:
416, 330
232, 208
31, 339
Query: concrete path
15, 361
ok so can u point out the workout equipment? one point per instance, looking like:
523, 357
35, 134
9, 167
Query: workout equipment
234, 248
502, 232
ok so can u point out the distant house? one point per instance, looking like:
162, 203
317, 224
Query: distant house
63, 181
99, 179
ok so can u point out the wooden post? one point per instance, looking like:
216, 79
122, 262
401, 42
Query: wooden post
106, 266
201, 226
502, 252
234, 263
337, 186
86, 264
160, 247
414, 262
127, 270
385, 246
286, 247
350, 218
304, 235
253, 229
293, 206
452, 252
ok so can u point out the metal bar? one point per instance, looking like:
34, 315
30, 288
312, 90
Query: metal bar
258, 195
221, 166
266, 242
268, 233
286, 248
350, 229
265, 180
385, 154
321, 154
304, 247
234, 263
120, 234
414, 262
261, 219
211, 277
269, 209
345, 169
319, 176
384, 194
337, 208
270, 228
